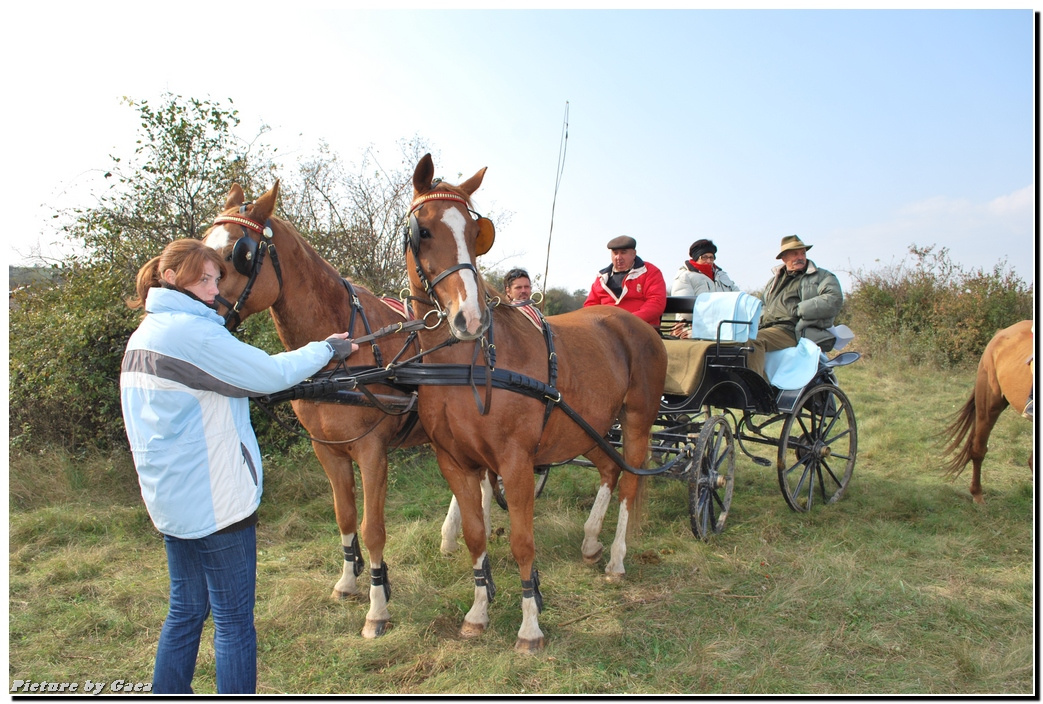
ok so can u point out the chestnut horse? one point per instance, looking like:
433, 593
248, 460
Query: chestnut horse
309, 300
606, 364
1003, 378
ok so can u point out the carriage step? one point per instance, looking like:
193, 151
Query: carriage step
763, 462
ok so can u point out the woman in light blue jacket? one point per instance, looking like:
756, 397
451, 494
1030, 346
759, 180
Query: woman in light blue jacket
185, 386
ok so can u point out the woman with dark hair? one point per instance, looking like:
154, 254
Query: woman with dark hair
185, 386
700, 274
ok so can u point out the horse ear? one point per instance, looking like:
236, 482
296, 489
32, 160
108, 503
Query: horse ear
265, 205
423, 175
471, 185
235, 197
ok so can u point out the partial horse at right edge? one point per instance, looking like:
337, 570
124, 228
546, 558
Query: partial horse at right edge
1004, 377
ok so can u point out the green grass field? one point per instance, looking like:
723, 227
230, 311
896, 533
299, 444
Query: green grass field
904, 587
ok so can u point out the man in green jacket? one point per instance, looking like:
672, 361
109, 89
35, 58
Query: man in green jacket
800, 300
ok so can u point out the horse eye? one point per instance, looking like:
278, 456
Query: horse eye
424, 234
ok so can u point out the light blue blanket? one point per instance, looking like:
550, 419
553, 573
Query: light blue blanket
712, 308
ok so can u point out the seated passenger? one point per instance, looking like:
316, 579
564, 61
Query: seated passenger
800, 300
700, 274
630, 283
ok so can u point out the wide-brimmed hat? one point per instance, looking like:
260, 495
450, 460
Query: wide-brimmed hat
622, 242
791, 242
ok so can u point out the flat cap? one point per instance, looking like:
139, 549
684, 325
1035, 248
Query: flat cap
622, 242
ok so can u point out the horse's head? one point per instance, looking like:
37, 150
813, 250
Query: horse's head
442, 240
243, 233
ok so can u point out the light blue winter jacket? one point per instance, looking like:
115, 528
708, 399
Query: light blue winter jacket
185, 387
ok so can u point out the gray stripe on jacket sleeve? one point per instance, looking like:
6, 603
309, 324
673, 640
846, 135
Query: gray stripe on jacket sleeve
173, 369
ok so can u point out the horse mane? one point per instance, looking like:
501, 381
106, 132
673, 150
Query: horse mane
305, 246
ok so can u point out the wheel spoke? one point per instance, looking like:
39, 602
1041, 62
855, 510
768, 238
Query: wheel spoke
832, 475
711, 477
803, 476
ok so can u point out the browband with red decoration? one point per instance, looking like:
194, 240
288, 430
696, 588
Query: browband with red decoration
440, 195
245, 222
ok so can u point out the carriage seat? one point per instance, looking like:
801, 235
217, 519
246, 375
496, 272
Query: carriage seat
686, 362
721, 324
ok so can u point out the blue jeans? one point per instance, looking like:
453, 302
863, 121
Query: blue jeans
215, 574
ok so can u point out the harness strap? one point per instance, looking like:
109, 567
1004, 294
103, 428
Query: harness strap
404, 326
356, 309
483, 577
378, 577
552, 367
353, 555
531, 589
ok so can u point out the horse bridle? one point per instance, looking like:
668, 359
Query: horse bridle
247, 258
412, 233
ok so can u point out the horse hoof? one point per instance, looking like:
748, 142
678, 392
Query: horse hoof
343, 596
979, 499
528, 647
471, 630
593, 559
614, 577
375, 629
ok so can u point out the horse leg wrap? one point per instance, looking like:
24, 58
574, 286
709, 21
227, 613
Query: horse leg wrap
353, 554
531, 590
484, 578
378, 577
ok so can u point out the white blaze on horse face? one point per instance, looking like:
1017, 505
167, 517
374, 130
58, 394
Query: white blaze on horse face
219, 238
470, 305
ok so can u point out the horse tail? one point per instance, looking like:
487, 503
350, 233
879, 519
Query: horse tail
959, 431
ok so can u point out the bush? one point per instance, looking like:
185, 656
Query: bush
66, 343
934, 311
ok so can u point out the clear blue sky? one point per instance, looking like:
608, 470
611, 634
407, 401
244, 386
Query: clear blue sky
862, 131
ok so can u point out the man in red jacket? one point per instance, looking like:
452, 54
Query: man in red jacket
630, 283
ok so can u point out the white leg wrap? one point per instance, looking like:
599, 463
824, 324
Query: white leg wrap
378, 605
479, 613
348, 582
487, 502
619, 544
530, 626
592, 528
451, 528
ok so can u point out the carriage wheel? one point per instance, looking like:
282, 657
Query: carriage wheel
711, 478
541, 480
818, 446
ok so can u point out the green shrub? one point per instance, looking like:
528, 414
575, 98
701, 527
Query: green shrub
933, 310
66, 343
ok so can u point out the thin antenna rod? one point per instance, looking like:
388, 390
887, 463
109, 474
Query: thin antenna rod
557, 182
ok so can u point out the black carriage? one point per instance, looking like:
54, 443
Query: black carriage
714, 405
